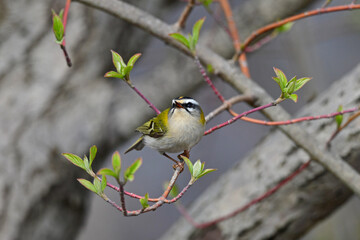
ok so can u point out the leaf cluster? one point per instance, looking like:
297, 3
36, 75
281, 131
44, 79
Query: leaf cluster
191, 40
197, 169
122, 70
58, 26
289, 87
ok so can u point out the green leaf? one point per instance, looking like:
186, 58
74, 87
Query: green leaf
74, 159
127, 70
87, 184
206, 3
103, 183
58, 28
281, 78
108, 172
93, 151
180, 38
144, 201
86, 163
130, 171
118, 61
114, 75
206, 171
284, 28
188, 163
133, 59
97, 185
339, 118
196, 32
116, 163
197, 169
291, 86
301, 82
293, 97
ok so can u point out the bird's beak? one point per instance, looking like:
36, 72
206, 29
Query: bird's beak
178, 105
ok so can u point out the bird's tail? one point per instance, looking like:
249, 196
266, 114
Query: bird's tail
138, 145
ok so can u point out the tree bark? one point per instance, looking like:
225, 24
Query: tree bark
300, 204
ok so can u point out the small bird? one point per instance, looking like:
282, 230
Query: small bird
176, 129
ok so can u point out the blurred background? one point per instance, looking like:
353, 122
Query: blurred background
47, 109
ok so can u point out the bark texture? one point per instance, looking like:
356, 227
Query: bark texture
298, 206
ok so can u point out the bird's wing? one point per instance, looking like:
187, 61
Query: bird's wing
155, 127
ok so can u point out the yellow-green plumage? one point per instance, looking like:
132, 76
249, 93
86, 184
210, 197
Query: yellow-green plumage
175, 129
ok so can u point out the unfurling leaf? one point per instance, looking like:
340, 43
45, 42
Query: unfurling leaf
133, 59
281, 78
180, 38
74, 159
188, 163
130, 171
301, 82
339, 118
114, 75
108, 172
103, 183
118, 61
206, 171
97, 185
87, 184
58, 27
92, 154
195, 33
293, 97
197, 169
144, 201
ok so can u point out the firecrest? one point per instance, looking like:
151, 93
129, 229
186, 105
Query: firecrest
176, 129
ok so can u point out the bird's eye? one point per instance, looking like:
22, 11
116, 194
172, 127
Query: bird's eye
189, 105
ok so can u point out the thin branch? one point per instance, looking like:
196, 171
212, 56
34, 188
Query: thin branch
232, 120
272, 26
227, 104
338, 130
144, 98
185, 14
63, 44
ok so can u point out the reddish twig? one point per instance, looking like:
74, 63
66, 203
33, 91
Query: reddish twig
232, 120
207, 79
256, 200
63, 44
144, 98
185, 14
272, 26
302, 119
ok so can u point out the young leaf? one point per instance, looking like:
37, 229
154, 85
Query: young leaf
206, 171
339, 118
284, 28
103, 183
206, 3
133, 59
97, 185
130, 171
114, 74
197, 168
86, 163
144, 201
76, 160
180, 38
127, 70
189, 164
293, 97
58, 28
118, 61
87, 184
116, 163
92, 154
291, 87
108, 172
301, 82
195, 32
282, 78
